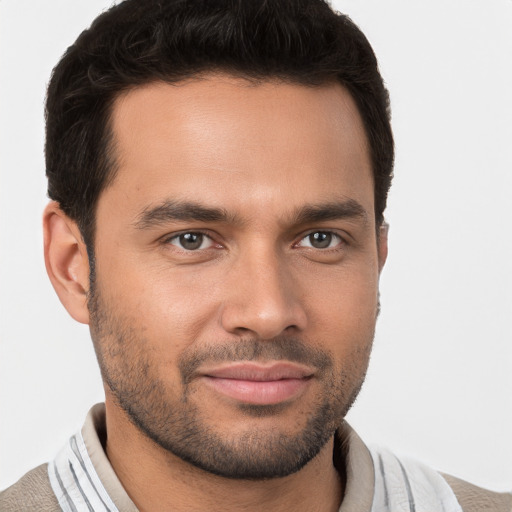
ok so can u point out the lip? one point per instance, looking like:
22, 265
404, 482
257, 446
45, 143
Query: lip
259, 384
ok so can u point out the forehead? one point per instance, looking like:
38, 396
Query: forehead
225, 141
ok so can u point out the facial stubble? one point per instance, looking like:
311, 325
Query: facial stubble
178, 424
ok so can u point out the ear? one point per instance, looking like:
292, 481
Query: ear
382, 244
66, 261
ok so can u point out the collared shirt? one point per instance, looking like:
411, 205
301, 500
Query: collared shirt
376, 480
81, 475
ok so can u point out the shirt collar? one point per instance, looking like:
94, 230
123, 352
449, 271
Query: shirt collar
351, 458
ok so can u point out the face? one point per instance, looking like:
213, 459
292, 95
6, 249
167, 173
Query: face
237, 269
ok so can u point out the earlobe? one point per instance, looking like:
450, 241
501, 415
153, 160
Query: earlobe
66, 261
383, 244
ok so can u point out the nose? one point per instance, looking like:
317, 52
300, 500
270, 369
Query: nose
264, 299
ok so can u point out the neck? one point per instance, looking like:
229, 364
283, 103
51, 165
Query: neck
157, 480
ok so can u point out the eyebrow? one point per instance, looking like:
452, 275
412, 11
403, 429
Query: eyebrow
335, 210
169, 211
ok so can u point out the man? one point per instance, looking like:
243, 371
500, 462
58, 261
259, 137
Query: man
219, 173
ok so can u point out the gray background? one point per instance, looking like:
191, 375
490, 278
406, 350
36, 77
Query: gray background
440, 381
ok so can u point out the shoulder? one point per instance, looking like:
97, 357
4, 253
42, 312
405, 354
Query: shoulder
31, 492
476, 499
405, 480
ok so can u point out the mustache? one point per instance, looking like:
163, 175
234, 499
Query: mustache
276, 349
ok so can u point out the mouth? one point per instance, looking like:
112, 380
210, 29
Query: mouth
259, 384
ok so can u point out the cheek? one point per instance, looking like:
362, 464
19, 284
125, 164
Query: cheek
343, 303
171, 309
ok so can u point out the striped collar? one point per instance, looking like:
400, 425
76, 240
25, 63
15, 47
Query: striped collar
81, 475
83, 479
75, 482
405, 485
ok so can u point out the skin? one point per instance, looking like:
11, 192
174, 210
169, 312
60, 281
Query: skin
261, 153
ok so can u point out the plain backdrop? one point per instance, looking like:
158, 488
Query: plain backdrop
439, 386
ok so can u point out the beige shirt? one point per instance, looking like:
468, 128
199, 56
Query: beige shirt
34, 492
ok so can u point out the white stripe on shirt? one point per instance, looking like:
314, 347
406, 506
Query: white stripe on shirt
75, 482
405, 485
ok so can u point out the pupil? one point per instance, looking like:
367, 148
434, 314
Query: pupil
191, 241
320, 240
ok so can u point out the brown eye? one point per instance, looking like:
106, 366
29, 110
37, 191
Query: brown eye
191, 241
321, 240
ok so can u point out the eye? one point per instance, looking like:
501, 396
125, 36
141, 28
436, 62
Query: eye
191, 241
321, 240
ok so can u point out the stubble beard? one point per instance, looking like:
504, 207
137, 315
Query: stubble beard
179, 426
